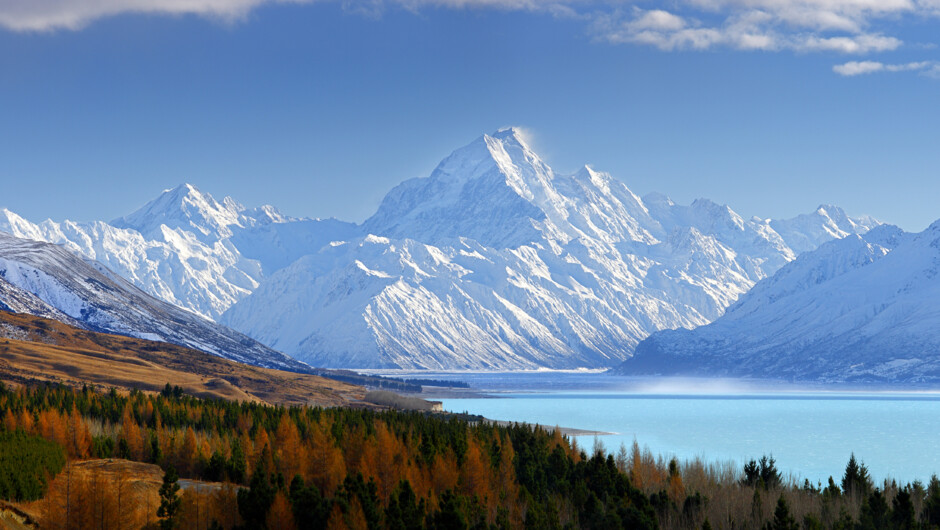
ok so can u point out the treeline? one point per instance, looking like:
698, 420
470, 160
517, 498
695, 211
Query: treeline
391, 399
400, 384
338, 467
276, 467
369, 381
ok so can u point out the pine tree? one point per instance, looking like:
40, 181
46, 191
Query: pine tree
932, 502
782, 518
902, 513
856, 480
170, 502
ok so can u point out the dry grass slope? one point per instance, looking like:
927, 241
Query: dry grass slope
38, 349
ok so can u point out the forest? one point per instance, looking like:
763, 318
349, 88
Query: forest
227, 464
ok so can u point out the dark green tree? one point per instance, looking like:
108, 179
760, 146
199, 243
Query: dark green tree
811, 522
214, 469
832, 490
769, 474
26, 462
366, 492
762, 473
170, 501
404, 512
844, 522
311, 509
751, 473
856, 480
757, 509
874, 515
932, 502
236, 468
255, 502
782, 518
450, 514
155, 454
902, 511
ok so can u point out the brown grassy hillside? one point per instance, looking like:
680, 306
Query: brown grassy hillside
39, 349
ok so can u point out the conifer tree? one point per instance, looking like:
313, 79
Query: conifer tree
856, 480
902, 512
782, 518
932, 502
170, 502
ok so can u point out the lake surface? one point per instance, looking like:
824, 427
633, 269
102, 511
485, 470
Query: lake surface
810, 431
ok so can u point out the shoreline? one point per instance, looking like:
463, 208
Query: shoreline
566, 431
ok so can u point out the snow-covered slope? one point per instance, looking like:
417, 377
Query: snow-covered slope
496, 262
863, 308
48, 280
181, 247
16, 300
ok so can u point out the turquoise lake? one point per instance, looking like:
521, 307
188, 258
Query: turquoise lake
809, 431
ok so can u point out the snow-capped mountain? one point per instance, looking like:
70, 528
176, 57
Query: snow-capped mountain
496, 262
863, 308
48, 280
181, 247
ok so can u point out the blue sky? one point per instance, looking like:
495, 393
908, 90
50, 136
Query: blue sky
770, 106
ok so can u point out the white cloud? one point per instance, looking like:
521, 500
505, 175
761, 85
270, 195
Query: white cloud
50, 15
858, 44
851, 27
658, 20
854, 68
749, 30
46, 15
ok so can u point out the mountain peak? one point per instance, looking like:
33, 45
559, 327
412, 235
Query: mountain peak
491, 190
181, 193
187, 208
182, 189
511, 134
831, 211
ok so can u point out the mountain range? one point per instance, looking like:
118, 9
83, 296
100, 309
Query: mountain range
860, 309
49, 281
493, 261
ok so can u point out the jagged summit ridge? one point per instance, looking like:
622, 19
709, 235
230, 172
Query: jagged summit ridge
488, 190
493, 261
185, 208
181, 246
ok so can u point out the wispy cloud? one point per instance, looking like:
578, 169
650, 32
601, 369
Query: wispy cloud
51, 15
851, 27
48, 15
854, 68
756, 25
